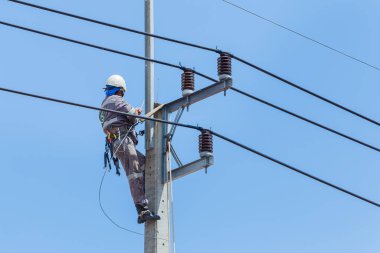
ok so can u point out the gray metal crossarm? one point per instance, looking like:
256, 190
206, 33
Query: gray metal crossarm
199, 95
192, 167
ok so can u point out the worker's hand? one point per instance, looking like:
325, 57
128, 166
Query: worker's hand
138, 111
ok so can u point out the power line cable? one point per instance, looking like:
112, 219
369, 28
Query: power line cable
115, 26
200, 129
100, 109
204, 48
305, 119
306, 90
302, 35
295, 169
102, 48
179, 67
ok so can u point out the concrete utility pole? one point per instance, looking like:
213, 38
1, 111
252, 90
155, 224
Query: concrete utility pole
156, 232
158, 139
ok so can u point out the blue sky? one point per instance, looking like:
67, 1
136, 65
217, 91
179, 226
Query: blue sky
52, 155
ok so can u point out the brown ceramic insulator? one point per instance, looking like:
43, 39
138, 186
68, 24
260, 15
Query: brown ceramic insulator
188, 80
205, 142
224, 64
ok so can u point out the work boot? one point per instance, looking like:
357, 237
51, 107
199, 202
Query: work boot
144, 214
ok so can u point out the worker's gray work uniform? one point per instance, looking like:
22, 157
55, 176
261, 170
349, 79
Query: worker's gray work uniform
132, 160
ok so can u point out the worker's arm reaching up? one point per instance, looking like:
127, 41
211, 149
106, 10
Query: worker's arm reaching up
124, 106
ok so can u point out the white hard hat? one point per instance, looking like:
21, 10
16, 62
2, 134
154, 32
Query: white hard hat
117, 81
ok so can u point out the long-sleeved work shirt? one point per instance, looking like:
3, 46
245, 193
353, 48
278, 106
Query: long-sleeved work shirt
112, 121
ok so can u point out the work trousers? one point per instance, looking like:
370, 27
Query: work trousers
133, 163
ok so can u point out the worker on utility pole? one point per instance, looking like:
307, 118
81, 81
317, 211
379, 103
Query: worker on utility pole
122, 140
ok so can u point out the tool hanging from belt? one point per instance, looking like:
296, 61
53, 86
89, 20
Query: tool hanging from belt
109, 151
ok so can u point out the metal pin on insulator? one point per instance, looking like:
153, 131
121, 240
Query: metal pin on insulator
224, 66
187, 82
205, 144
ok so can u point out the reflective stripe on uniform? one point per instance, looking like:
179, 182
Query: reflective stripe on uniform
135, 175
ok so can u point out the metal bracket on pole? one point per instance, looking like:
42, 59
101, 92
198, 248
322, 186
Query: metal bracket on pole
199, 95
192, 167
169, 135
175, 156
174, 127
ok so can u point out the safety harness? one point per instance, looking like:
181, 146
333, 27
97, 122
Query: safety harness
111, 137
109, 153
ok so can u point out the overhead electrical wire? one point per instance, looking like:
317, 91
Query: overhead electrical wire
306, 91
118, 52
301, 117
207, 49
295, 169
304, 119
301, 35
199, 129
114, 26
178, 67
101, 48
100, 109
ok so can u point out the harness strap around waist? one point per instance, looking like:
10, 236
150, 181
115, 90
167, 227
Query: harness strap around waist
107, 123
